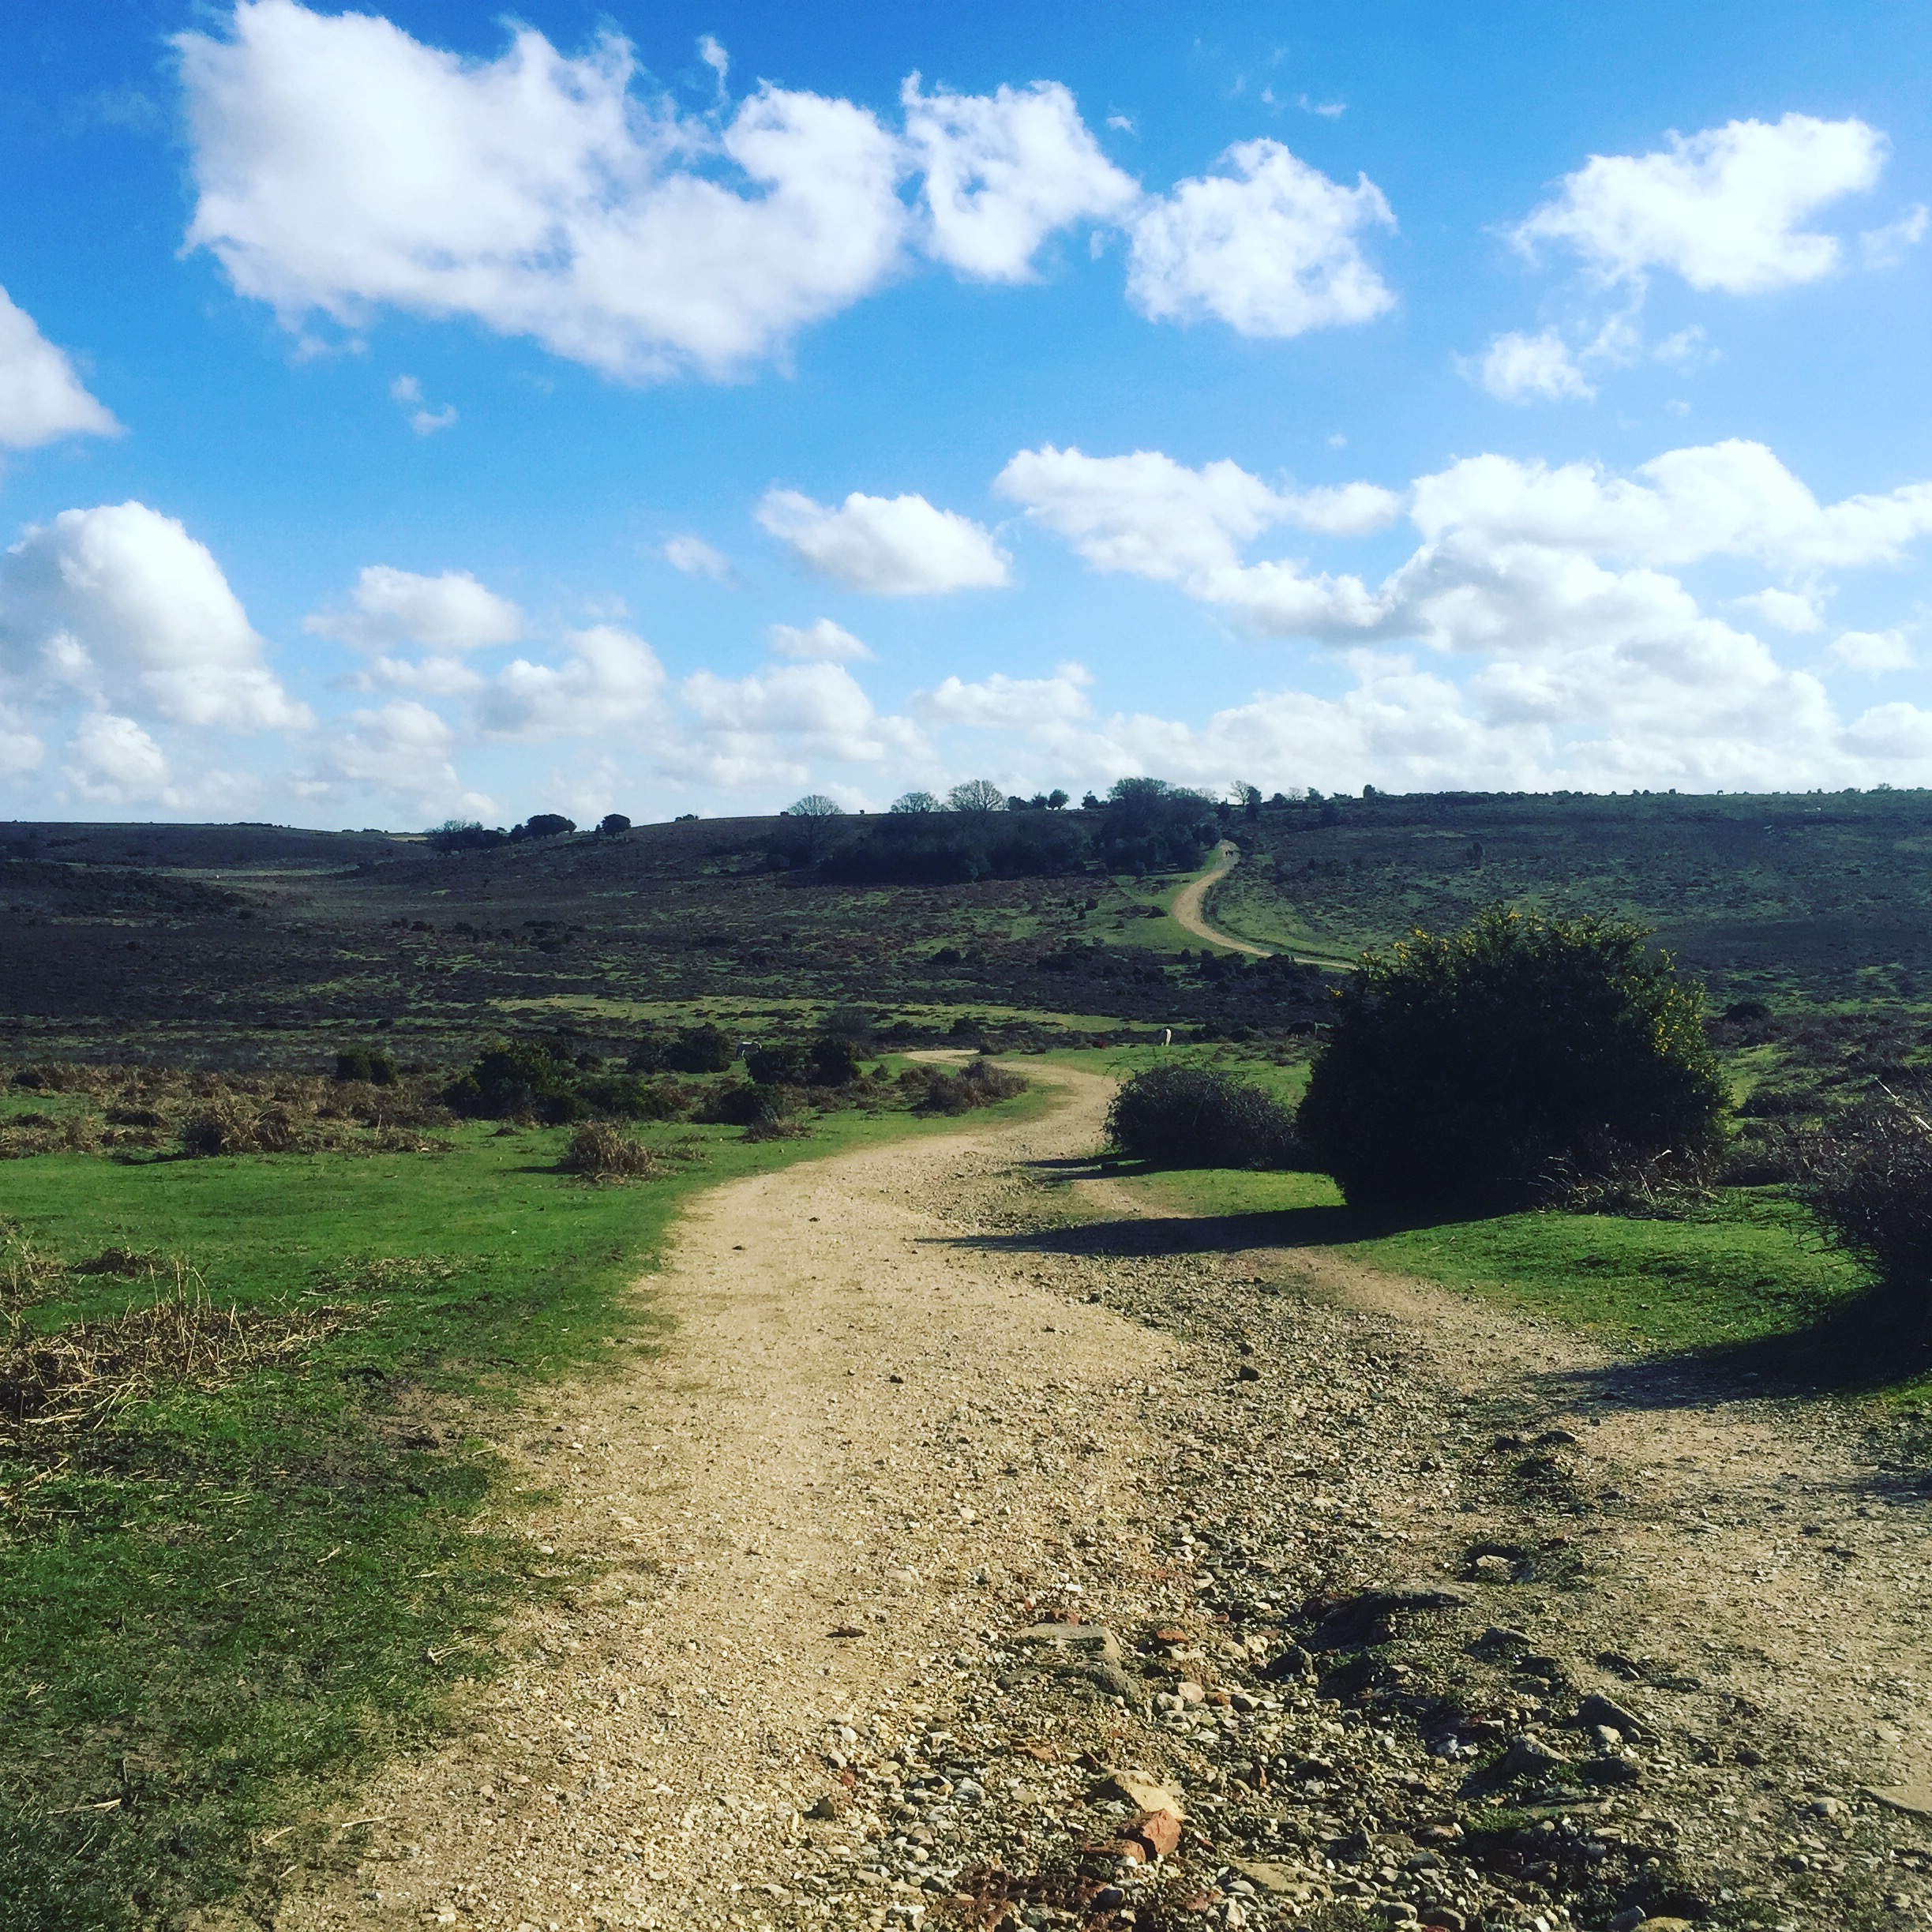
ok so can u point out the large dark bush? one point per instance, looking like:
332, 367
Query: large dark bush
1176, 1115
704, 1048
979, 1083
364, 1063
517, 1080
1467, 1072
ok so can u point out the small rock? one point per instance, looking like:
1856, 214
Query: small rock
1158, 1832
1249, 1372
1090, 1640
1493, 1570
1110, 1680
835, 1804
1530, 1757
1629, 1921
1597, 1711
1137, 1788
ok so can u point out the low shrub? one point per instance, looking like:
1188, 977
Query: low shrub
980, 1083
1176, 1115
232, 1126
703, 1048
518, 1080
747, 1103
1870, 1184
365, 1063
599, 1152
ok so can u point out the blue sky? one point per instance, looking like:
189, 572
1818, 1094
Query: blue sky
421, 413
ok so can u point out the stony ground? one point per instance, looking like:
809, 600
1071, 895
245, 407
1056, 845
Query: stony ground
985, 1551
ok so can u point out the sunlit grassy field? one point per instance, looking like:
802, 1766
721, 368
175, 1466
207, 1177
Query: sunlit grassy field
263, 1581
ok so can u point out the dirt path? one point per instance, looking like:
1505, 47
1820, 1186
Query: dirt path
923, 1396
1192, 897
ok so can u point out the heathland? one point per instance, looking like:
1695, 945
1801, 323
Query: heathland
525, 1381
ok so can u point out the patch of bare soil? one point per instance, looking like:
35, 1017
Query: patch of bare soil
967, 1562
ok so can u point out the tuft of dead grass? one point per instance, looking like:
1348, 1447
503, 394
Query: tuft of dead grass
78, 1377
599, 1152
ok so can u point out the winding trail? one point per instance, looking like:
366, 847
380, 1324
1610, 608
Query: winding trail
909, 1401
1190, 902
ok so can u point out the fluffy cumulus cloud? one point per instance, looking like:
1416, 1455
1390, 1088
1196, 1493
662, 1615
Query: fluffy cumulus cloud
1538, 368
1004, 171
1584, 661
824, 642
341, 165
773, 726
1031, 704
1725, 209
121, 606
1146, 514
110, 759
390, 609
41, 398
892, 546
611, 681
403, 751
1272, 248
1869, 650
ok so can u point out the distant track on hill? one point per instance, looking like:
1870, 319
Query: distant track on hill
1189, 901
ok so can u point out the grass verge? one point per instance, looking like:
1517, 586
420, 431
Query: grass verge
234, 1594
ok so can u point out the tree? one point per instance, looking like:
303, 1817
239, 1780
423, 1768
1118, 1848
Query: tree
1462, 1073
917, 802
1056, 800
815, 816
976, 796
1152, 827
613, 824
544, 825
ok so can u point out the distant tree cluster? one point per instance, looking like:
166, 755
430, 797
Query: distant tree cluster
473, 836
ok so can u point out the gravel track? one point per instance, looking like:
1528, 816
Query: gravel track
1366, 1548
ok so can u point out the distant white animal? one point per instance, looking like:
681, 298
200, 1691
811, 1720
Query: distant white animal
1167, 1036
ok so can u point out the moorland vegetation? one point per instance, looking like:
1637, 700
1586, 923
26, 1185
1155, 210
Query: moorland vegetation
316, 1148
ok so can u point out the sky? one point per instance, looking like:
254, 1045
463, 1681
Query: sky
429, 413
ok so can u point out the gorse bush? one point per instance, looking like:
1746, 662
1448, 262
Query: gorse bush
518, 1080
1175, 1115
703, 1048
363, 1063
1466, 1072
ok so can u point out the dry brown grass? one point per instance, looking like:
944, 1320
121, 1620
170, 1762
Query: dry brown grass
80, 1375
599, 1152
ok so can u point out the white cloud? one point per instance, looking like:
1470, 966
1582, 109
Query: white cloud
1579, 674
1272, 249
434, 677
1870, 651
893, 546
342, 166
445, 614
1722, 209
425, 421
769, 726
1021, 703
112, 760
21, 749
696, 558
1733, 498
611, 681
41, 398
1004, 171
403, 750
1518, 368
1146, 514
120, 604
1886, 247
824, 642
1794, 611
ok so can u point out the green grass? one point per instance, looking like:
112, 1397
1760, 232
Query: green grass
230, 1605
1750, 1280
